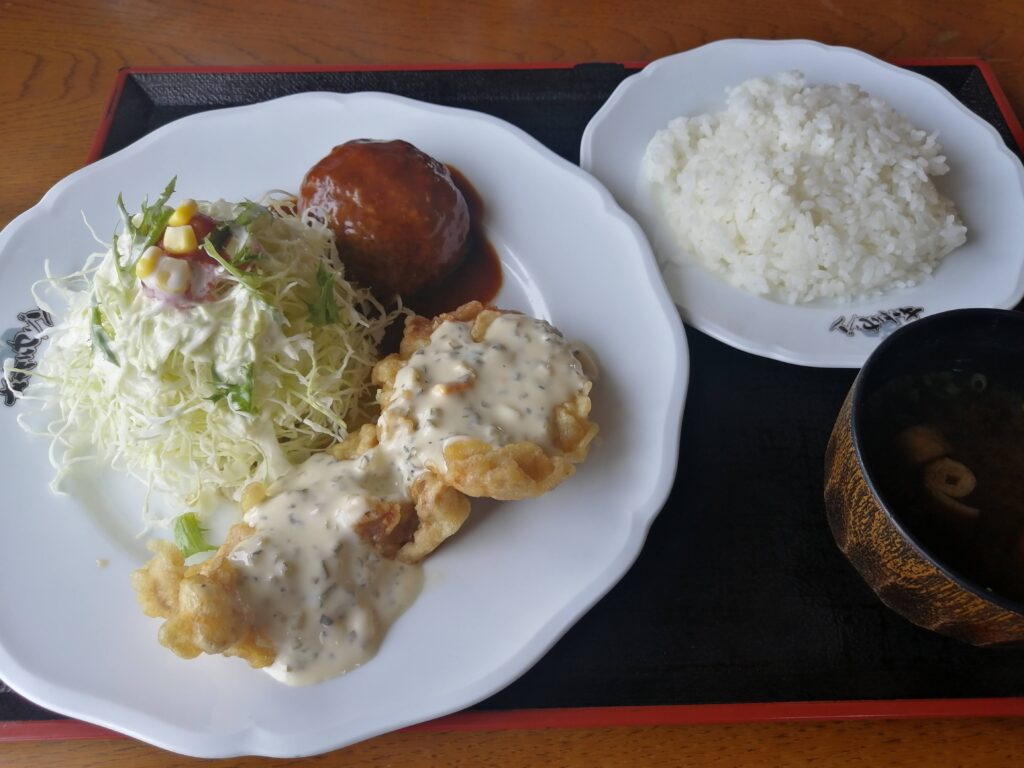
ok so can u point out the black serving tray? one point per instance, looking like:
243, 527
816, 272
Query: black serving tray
740, 595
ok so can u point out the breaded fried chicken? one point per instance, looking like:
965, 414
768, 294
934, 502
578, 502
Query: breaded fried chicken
478, 402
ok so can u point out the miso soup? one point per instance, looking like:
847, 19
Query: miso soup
947, 452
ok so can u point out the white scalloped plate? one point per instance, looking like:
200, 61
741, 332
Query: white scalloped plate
497, 596
986, 182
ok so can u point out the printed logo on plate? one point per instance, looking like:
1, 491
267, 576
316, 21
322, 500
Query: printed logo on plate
878, 323
23, 343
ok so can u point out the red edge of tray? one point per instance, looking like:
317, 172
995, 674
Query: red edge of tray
618, 717
589, 717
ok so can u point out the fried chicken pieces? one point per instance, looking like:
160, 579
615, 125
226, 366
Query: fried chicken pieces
410, 530
201, 603
476, 403
478, 467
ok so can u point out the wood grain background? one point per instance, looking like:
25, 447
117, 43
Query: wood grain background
902, 744
58, 61
60, 58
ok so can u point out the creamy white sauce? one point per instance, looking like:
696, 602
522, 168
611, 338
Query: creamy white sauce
502, 389
322, 596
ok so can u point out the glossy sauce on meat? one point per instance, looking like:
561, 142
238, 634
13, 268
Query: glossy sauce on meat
405, 224
400, 222
477, 278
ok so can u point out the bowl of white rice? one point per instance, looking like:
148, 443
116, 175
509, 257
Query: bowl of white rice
805, 200
801, 192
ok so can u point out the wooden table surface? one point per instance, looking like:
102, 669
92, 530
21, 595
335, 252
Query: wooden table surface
58, 61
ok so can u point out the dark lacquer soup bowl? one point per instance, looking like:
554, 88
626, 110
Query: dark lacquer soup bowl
924, 474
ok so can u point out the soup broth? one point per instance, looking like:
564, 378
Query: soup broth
950, 448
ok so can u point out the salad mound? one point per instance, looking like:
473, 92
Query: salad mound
210, 345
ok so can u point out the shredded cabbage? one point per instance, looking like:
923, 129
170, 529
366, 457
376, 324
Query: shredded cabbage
198, 401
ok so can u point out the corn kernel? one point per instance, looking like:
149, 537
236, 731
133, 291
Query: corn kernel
179, 239
146, 265
173, 275
183, 213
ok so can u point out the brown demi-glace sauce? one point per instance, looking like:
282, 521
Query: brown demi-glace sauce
478, 277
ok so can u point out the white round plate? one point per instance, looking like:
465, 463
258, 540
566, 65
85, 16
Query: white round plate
986, 182
497, 596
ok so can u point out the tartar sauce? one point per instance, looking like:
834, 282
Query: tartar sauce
319, 593
322, 596
502, 389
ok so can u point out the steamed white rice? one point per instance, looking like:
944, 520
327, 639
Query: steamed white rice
801, 192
